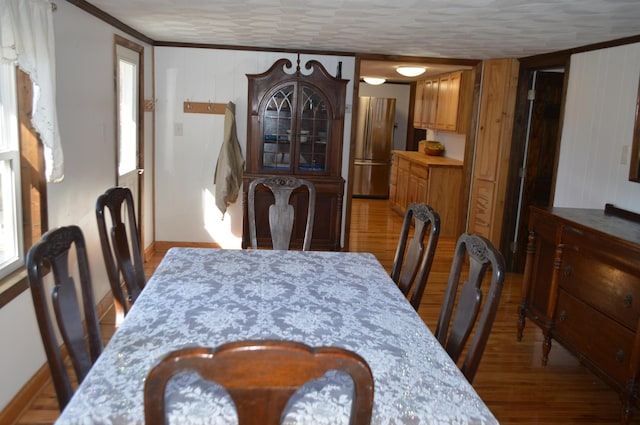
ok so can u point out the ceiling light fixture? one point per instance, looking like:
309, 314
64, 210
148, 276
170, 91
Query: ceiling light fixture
374, 81
411, 71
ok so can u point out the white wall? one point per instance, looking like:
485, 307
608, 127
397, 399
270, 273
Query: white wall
598, 125
402, 94
85, 100
185, 164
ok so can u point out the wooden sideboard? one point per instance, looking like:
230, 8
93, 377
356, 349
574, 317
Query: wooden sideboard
433, 180
581, 285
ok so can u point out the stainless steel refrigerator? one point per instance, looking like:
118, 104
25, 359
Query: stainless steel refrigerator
374, 140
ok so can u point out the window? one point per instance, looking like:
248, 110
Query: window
11, 244
22, 181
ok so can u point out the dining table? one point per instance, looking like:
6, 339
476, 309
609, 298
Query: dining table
208, 296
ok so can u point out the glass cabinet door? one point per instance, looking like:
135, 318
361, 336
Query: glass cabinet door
314, 130
276, 130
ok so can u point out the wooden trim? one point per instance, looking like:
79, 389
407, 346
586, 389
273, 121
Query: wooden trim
140, 165
611, 209
161, 246
251, 48
92, 10
204, 108
634, 168
33, 185
12, 286
148, 253
23, 399
561, 56
34, 386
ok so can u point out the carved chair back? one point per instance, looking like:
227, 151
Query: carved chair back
260, 377
53, 252
412, 261
475, 254
120, 247
281, 213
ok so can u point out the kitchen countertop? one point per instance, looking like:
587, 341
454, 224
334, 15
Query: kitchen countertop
428, 160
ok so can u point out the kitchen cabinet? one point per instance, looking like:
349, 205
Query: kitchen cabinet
444, 102
295, 127
581, 286
435, 181
426, 102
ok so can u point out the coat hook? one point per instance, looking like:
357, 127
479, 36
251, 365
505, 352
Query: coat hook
209, 106
188, 104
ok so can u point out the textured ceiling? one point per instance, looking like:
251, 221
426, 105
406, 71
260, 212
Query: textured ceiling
469, 29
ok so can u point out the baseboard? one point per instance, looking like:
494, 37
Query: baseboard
21, 402
163, 246
148, 253
23, 399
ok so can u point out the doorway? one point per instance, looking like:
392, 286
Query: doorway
537, 170
129, 158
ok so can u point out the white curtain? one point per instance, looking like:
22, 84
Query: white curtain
26, 37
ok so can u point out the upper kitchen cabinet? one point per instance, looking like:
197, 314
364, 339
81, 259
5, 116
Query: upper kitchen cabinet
443, 102
426, 102
295, 128
296, 121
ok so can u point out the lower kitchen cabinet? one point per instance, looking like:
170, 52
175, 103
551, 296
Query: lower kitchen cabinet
581, 286
433, 180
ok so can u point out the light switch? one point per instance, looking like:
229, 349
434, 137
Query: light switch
177, 129
624, 157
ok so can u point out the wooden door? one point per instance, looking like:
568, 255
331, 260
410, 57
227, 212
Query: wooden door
448, 96
491, 165
130, 150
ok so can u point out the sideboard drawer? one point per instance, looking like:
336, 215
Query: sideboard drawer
605, 342
589, 273
581, 285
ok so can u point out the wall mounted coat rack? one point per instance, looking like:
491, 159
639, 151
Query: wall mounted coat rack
204, 108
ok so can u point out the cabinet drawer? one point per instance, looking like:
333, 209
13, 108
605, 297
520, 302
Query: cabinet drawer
593, 273
603, 341
419, 171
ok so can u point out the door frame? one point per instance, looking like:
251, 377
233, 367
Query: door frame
528, 66
413, 134
139, 199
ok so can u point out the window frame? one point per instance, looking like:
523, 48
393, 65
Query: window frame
33, 187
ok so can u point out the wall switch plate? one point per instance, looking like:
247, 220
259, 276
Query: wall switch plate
624, 157
177, 129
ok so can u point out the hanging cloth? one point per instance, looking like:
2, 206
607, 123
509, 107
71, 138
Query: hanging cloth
228, 175
26, 37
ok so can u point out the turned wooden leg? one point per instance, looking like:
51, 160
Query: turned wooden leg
546, 347
526, 282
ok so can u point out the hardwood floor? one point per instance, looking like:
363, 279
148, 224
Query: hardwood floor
510, 379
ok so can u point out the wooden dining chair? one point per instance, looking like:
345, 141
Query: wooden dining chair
412, 262
120, 247
475, 254
281, 213
53, 251
260, 377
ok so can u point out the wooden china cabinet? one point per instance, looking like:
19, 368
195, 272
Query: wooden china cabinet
295, 128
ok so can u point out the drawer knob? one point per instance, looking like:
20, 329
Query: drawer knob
567, 271
563, 315
628, 300
620, 355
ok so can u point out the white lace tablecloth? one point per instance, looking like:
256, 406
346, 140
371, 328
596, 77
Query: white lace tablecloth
210, 296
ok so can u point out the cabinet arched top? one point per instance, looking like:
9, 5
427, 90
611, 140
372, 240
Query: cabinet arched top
334, 89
